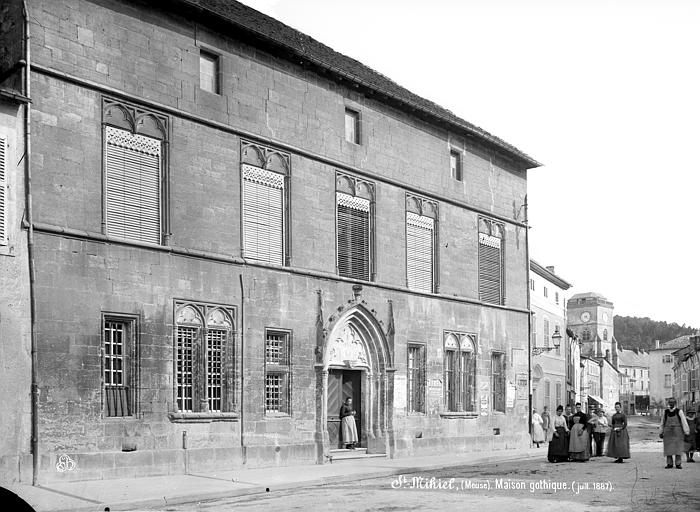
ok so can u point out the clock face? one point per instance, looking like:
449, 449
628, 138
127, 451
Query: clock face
605, 317
585, 316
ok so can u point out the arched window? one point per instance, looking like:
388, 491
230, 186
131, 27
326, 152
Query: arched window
421, 228
459, 371
265, 175
605, 335
586, 335
134, 163
204, 336
491, 246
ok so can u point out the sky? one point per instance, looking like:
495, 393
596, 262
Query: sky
605, 94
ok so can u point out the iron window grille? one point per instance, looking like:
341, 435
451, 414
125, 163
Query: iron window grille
4, 208
416, 378
498, 373
119, 363
277, 372
459, 371
204, 357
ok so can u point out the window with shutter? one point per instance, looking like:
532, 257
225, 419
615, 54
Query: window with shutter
419, 251
133, 185
491, 261
4, 207
263, 215
353, 232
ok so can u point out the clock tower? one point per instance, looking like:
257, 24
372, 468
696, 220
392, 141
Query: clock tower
590, 316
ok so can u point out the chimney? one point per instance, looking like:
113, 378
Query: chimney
657, 343
550, 268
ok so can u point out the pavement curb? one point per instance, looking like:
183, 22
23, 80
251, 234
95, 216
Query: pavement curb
261, 489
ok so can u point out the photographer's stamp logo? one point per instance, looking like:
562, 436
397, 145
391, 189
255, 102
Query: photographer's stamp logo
65, 463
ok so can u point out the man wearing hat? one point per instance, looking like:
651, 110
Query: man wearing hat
674, 428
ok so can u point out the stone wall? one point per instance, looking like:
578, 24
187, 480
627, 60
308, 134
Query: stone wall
85, 51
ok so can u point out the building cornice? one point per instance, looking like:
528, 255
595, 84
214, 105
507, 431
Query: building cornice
549, 276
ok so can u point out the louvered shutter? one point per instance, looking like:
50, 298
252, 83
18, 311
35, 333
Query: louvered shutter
133, 186
263, 215
419, 252
353, 236
3, 191
490, 269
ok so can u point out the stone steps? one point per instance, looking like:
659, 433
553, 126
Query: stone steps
340, 455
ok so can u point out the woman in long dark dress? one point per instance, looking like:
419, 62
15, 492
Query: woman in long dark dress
347, 424
559, 444
619, 442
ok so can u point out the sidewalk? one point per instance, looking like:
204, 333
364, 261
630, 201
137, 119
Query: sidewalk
140, 493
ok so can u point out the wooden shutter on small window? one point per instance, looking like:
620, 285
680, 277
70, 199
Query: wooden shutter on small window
490, 269
353, 216
133, 186
263, 215
3, 191
419, 251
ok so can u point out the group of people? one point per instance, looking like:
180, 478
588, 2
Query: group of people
571, 435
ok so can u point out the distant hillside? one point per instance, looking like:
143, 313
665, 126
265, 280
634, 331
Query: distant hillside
634, 332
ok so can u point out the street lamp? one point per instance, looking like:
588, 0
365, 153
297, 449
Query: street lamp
556, 339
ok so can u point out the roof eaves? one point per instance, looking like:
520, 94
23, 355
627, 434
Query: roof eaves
509, 149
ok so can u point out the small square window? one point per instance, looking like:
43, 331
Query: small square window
209, 72
456, 165
352, 126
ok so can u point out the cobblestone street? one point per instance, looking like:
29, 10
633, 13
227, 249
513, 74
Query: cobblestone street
640, 484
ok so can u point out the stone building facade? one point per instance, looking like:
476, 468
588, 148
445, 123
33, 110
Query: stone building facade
549, 363
234, 229
661, 377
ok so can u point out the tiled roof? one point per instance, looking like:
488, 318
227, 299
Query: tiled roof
680, 342
294, 43
632, 358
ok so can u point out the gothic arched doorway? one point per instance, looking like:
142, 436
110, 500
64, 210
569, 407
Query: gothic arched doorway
356, 364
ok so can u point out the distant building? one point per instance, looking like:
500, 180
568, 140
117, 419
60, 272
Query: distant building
661, 370
686, 375
590, 318
548, 305
635, 364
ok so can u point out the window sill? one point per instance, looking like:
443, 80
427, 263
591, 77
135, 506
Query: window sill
276, 415
202, 417
458, 415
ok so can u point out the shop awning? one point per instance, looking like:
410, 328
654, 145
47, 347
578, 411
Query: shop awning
598, 400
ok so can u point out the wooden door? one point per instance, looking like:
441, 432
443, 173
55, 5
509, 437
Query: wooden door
341, 385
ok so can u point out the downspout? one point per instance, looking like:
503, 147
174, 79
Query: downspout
242, 408
529, 322
34, 443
